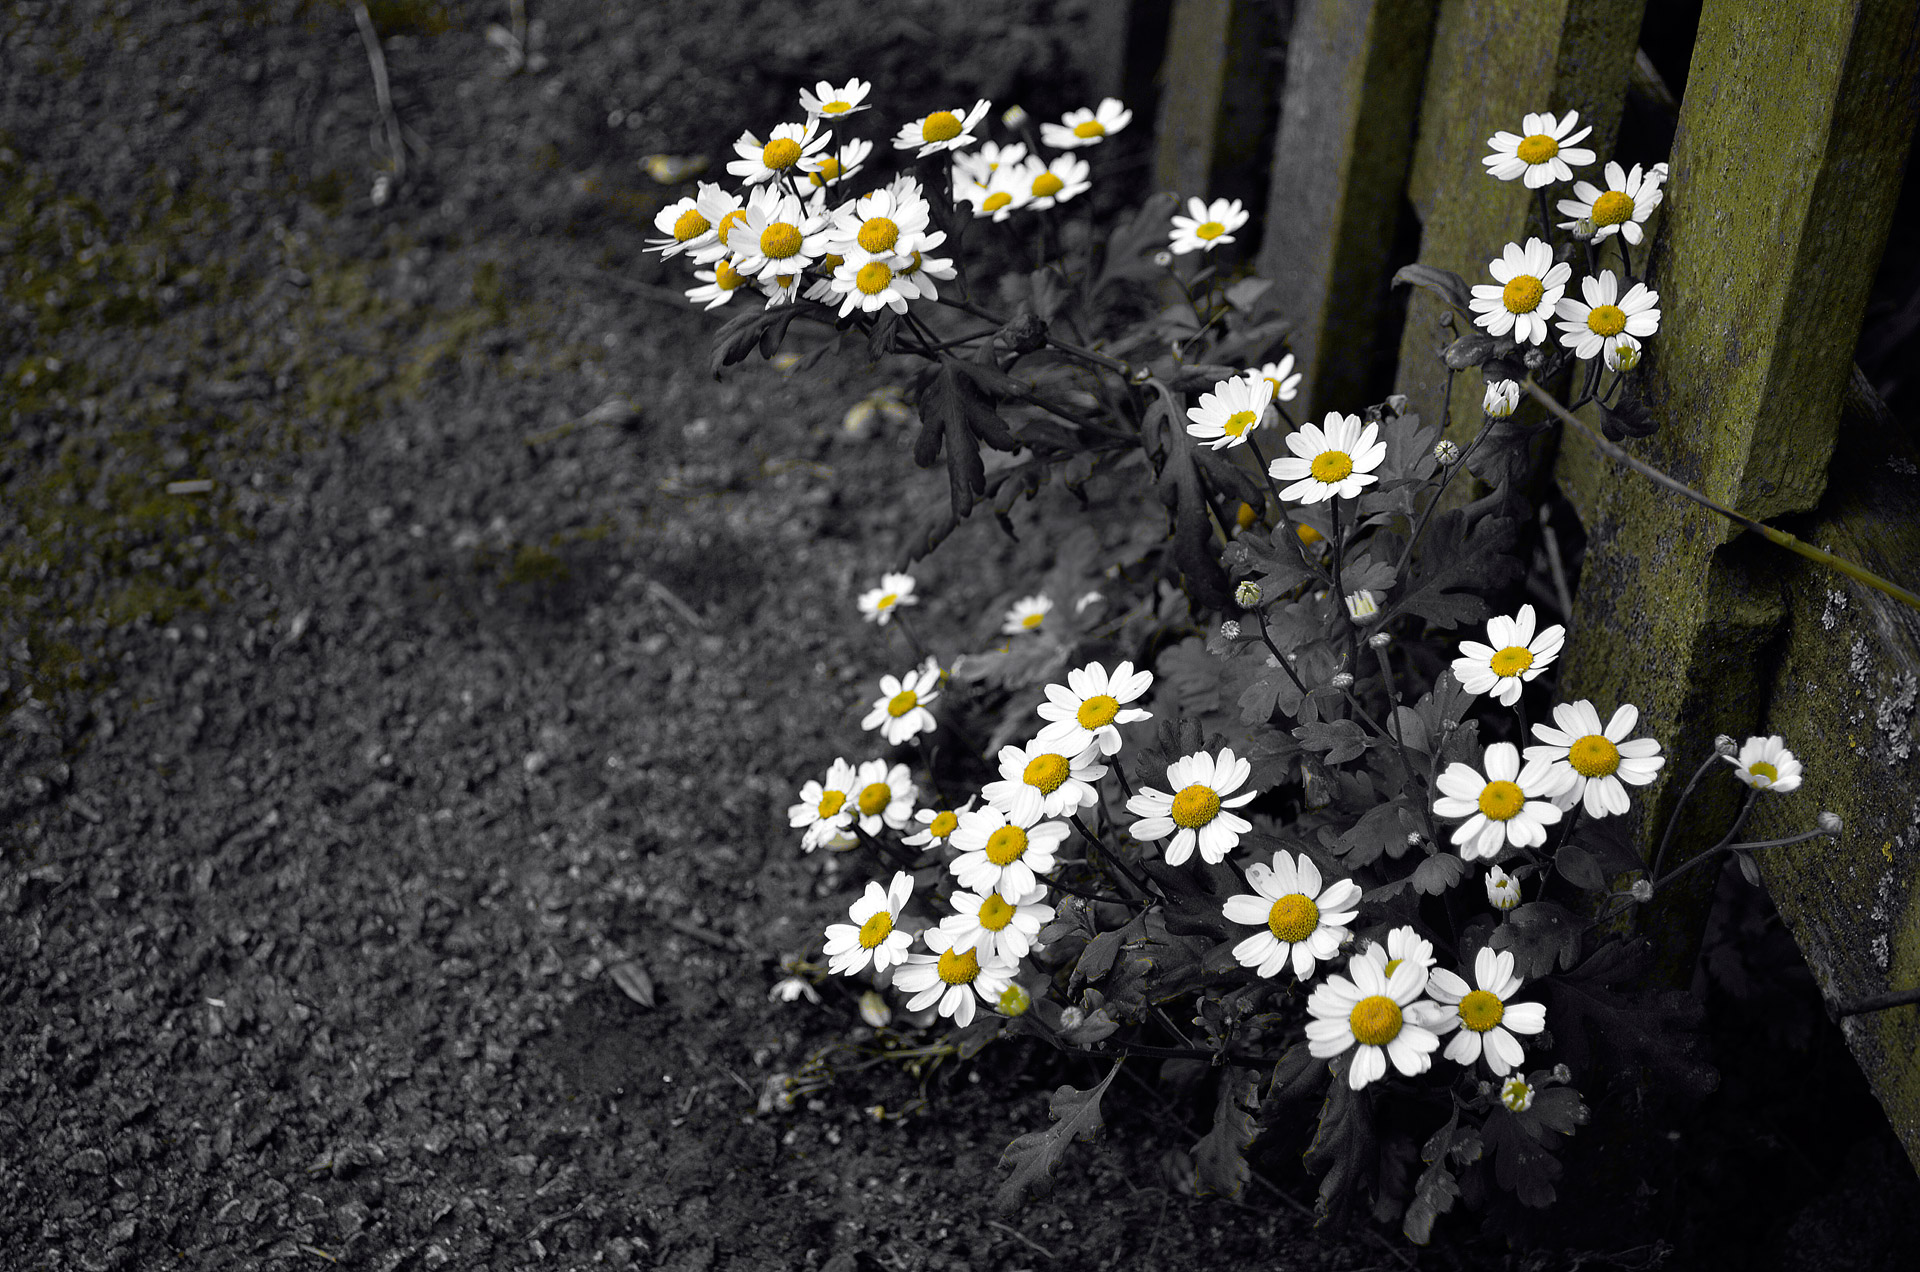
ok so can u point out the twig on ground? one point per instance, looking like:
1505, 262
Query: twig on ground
1020, 1236
382, 90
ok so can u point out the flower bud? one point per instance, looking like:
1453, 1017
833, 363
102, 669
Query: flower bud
1072, 1018
1562, 1074
1163, 259
1486, 1087
1502, 892
1142, 374
1014, 1001
1621, 357
1014, 116
1446, 452
1642, 891
1247, 594
1414, 838
1502, 399
1725, 746
1361, 605
1380, 640
1584, 229
1230, 629
1831, 824
1517, 1094
874, 1009
1534, 358
1342, 680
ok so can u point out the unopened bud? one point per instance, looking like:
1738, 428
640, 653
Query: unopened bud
1414, 838
874, 1009
1230, 629
1831, 824
1380, 640
1163, 259
1562, 1074
1073, 1017
1621, 357
1502, 399
1502, 892
1724, 745
1534, 358
1014, 1001
1362, 605
1247, 594
1342, 680
1446, 452
1584, 229
1143, 374
1642, 891
1517, 1094
1486, 1087
1014, 116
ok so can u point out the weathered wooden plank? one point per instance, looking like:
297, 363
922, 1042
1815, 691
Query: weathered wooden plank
1217, 97
1493, 61
1345, 143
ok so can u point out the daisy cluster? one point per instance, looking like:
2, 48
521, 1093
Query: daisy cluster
806, 222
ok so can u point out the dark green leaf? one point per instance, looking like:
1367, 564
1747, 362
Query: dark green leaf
1444, 283
1539, 933
1273, 560
738, 337
1219, 1159
1182, 491
1579, 867
1380, 829
1033, 1157
1097, 960
1343, 1146
1656, 1029
1131, 240
1521, 1163
1438, 873
1437, 1190
1341, 739
1455, 564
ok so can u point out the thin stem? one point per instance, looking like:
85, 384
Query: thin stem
1673, 818
1426, 514
1261, 616
1088, 896
1093, 842
1088, 355
1273, 487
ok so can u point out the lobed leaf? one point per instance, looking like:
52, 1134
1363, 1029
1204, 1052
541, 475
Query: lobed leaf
1540, 933
1341, 739
1033, 1157
1343, 1143
1219, 1159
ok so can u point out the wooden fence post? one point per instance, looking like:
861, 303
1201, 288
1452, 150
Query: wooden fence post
1494, 61
1793, 133
1216, 98
1354, 73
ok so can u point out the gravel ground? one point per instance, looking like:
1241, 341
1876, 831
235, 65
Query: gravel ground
402, 634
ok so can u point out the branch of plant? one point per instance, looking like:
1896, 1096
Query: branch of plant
1072, 350
1673, 818
1820, 556
1426, 514
1093, 842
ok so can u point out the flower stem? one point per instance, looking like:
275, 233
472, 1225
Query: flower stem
1673, 818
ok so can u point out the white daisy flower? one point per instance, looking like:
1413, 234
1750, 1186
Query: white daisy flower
1503, 890
895, 592
1281, 375
1591, 762
1087, 127
1305, 922
1608, 320
1027, 614
1231, 411
1089, 709
952, 977
1513, 656
997, 925
871, 287
937, 826
883, 796
1502, 399
1530, 286
1543, 155
1007, 189
1403, 945
1003, 854
1621, 357
717, 285
942, 130
779, 289
1506, 806
872, 937
1331, 460
1196, 813
1375, 1016
900, 712
918, 274
1481, 1012
1622, 208
826, 169
1051, 184
879, 226
827, 100
1038, 780
685, 226
726, 210
792, 988
780, 154
1207, 226
1763, 763
975, 166
825, 808
779, 234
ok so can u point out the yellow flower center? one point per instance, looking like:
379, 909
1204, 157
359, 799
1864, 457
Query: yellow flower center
1332, 466
1046, 185
779, 241
1764, 771
995, 913
886, 602
1090, 128
875, 798
1481, 1011
831, 803
1033, 620
1375, 1021
873, 278
1522, 295
1097, 711
1245, 515
942, 125
1511, 661
690, 225
1517, 1095
1046, 772
878, 234
727, 223
902, 702
1393, 965
726, 277
1238, 423
1606, 320
1195, 806
1277, 389
829, 170
830, 263
942, 825
995, 201
835, 108
1612, 208
1293, 917
959, 968
1537, 149
1207, 231
1307, 534
1502, 800
780, 154
912, 268
1006, 845
875, 930
1593, 756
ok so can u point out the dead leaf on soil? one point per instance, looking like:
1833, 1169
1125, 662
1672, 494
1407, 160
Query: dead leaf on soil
633, 981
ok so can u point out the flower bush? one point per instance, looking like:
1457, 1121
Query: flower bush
1264, 785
